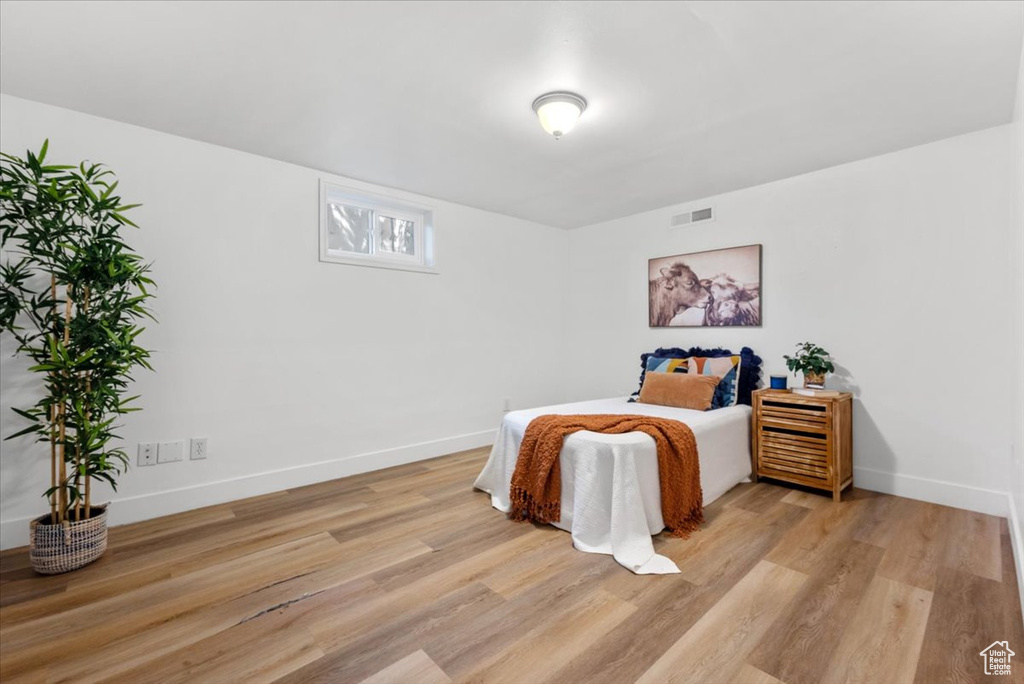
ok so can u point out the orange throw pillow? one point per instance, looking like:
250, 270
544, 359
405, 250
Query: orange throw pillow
680, 390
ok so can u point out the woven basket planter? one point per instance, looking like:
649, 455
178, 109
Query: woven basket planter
54, 549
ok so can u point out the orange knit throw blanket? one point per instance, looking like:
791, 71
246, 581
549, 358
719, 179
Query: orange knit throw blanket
536, 491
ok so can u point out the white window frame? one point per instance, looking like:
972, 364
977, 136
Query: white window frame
425, 236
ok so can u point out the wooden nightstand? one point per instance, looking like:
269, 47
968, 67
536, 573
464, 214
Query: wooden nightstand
805, 440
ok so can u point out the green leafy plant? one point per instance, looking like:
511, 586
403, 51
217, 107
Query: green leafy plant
72, 295
810, 358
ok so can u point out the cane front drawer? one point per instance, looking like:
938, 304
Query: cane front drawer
801, 439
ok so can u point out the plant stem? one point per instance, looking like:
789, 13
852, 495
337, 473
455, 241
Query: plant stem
78, 436
63, 415
53, 423
88, 413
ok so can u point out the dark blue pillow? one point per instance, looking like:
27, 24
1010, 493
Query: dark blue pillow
750, 367
726, 389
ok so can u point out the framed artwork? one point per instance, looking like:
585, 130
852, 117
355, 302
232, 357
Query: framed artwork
721, 287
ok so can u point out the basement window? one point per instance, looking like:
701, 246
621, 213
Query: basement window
362, 229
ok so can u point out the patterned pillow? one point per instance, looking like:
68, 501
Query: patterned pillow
725, 367
750, 372
665, 364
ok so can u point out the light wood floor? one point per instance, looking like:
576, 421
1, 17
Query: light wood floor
408, 575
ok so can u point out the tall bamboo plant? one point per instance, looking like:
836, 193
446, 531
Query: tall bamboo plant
73, 293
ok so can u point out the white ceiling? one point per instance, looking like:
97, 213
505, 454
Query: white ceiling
687, 99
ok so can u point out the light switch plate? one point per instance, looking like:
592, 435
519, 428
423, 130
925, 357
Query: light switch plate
168, 452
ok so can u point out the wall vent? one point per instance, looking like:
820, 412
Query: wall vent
695, 216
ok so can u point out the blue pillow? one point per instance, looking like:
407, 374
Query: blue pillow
727, 368
725, 392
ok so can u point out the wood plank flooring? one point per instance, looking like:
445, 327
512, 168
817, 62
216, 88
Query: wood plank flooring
408, 576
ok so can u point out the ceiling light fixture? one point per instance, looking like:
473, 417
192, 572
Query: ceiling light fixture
558, 112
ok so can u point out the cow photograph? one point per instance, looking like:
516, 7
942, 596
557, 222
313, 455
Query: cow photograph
721, 287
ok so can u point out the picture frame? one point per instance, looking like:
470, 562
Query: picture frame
713, 288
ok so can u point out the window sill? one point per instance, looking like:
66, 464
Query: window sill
379, 263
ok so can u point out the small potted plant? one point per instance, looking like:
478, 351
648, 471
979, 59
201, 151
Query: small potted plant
813, 361
71, 295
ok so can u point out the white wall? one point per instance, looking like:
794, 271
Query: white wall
296, 371
299, 371
1017, 257
898, 265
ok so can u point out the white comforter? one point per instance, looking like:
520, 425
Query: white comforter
611, 500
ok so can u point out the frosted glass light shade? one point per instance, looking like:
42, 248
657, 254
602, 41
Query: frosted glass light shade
559, 112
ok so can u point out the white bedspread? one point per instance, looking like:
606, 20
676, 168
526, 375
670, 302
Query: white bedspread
611, 500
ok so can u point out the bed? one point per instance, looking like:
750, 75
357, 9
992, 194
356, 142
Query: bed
611, 501
611, 498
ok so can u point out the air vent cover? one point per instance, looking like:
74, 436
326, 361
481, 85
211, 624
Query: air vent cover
695, 216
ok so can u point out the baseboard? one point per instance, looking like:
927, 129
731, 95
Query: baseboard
1013, 519
988, 501
131, 509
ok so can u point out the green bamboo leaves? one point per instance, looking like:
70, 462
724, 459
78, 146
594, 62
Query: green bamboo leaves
72, 293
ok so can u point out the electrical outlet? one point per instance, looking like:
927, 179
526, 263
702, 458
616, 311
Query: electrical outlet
197, 449
147, 453
168, 452
508, 405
